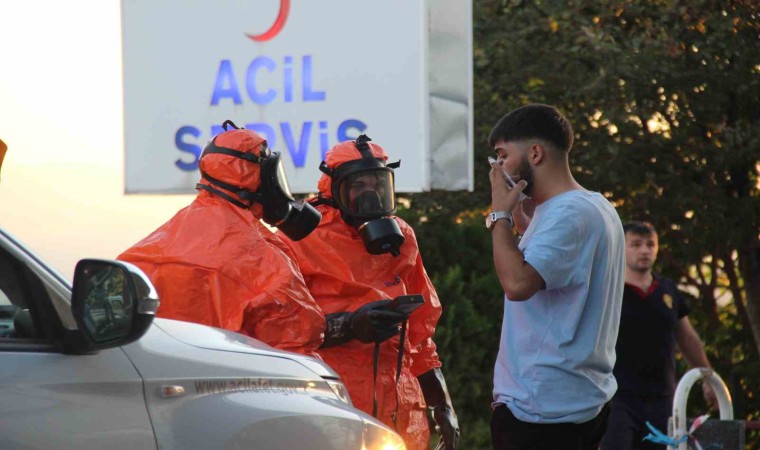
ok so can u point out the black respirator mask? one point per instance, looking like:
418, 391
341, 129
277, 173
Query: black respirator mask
364, 192
296, 219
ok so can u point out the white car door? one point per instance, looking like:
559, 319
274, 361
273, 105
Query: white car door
49, 399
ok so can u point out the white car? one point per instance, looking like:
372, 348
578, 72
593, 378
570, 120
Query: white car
90, 368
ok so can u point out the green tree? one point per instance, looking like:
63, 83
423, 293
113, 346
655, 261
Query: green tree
664, 99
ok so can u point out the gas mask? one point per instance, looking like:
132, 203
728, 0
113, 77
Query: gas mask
296, 219
363, 191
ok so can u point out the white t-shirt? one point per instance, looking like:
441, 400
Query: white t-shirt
557, 348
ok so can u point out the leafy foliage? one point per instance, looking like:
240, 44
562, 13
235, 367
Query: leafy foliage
663, 96
457, 255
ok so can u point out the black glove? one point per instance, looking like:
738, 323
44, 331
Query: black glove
370, 323
437, 398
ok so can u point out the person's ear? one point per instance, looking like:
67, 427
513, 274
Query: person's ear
537, 154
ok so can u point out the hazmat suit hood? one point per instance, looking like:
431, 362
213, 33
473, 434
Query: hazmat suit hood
343, 153
359, 182
232, 170
238, 166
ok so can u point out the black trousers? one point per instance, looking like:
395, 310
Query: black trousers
628, 417
510, 433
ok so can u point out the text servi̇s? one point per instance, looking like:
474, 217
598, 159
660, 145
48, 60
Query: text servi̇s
189, 139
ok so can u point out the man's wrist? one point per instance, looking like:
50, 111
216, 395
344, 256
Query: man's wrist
496, 216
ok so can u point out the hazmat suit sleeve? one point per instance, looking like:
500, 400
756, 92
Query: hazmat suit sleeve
422, 322
280, 324
285, 308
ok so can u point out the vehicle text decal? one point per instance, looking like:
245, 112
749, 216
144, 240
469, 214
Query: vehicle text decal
260, 385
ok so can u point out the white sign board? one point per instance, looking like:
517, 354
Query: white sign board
304, 74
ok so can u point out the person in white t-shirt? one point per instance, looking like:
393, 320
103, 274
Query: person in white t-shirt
563, 289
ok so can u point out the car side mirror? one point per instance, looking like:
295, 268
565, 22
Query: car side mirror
113, 303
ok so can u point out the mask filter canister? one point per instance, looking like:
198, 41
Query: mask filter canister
301, 219
381, 236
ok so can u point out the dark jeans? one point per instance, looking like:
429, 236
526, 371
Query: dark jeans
628, 419
510, 433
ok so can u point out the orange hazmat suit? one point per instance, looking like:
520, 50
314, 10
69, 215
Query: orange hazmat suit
343, 276
214, 263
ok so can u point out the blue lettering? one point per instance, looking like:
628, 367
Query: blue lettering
297, 154
216, 129
308, 94
226, 84
187, 139
288, 79
250, 80
349, 124
323, 144
225, 77
187, 147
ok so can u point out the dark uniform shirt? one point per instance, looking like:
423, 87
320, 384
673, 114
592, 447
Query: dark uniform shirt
647, 339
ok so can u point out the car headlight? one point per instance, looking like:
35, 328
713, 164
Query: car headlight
377, 437
340, 390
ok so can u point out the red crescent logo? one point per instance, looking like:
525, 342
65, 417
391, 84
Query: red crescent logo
276, 26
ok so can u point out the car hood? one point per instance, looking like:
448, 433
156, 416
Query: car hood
210, 338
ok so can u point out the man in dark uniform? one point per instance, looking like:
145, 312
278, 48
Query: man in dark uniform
653, 320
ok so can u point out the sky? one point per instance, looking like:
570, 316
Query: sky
62, 181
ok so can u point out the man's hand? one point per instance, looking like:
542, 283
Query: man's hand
447, 424
438, 400
370, 323
373, 323
710, 397
502, 197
